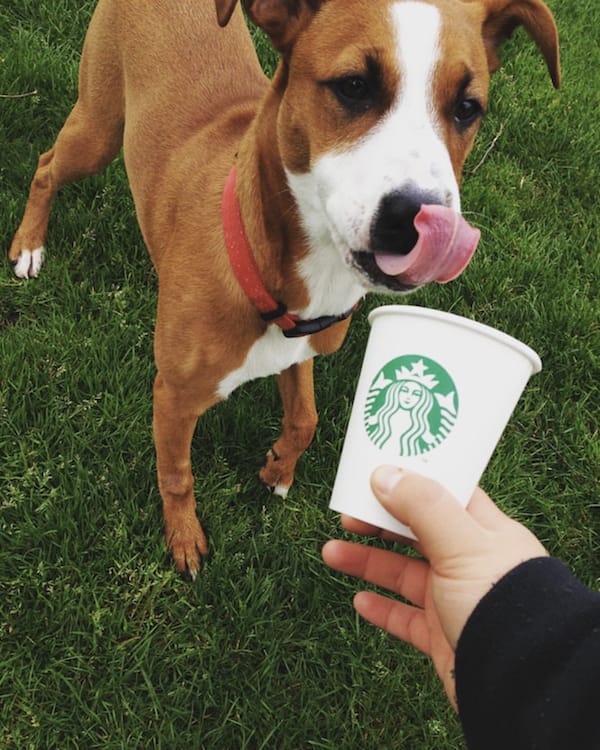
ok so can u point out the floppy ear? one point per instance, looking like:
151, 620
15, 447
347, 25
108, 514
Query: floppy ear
224, 10
504, 16
281, 20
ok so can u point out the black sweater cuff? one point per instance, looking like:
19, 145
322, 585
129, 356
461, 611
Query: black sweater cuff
528, 663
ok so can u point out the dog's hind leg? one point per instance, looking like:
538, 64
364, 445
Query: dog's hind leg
78, 152
299, 424
88, 141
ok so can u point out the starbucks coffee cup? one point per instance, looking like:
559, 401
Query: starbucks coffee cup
434, 395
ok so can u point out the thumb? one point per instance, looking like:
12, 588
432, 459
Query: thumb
443, 528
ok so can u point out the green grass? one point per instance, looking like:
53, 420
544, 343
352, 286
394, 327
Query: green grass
101, 644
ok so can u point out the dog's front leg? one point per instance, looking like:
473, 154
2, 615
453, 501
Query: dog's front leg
299, 424
175, 417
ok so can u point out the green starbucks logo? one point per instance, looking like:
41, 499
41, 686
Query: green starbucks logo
412, 403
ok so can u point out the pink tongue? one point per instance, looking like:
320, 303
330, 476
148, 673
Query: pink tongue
444, 248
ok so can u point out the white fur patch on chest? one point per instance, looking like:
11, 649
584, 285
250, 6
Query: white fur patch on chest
269, 355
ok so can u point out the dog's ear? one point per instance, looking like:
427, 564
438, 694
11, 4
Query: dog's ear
224, 10
504, 16
281, 20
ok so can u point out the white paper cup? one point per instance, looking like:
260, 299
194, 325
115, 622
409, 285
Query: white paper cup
435, 393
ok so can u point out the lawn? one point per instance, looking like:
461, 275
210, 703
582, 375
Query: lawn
102, 645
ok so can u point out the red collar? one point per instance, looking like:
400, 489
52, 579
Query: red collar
246, 271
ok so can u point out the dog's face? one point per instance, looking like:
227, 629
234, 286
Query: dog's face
380, 111
381, 101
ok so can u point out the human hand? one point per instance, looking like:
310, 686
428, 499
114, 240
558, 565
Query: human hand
467, 551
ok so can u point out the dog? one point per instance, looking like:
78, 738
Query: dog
269, 208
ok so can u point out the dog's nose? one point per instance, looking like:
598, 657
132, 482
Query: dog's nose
393, 230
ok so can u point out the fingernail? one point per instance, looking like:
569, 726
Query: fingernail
385, 478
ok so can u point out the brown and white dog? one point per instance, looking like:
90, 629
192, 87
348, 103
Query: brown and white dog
346, 179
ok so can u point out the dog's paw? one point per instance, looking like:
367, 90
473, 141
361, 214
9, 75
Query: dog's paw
188, 545
281, 491
277, 475
27, 263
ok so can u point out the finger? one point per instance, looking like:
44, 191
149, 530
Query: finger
442, 526
401, 620
493, 520
485, 511
354, 526
402, 575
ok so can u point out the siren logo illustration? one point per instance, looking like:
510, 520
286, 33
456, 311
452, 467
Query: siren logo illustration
413, 402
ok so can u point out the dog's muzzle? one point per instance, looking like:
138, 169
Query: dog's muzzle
414, 241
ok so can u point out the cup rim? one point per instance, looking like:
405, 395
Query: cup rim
459, 320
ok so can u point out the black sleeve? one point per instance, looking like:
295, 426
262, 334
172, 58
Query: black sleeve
528, 663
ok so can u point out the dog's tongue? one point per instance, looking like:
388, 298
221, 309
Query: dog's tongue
444, 248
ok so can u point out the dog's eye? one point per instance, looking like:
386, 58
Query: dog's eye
352, 87
353, 92
467, 111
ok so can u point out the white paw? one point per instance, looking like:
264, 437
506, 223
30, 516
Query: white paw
29, 263
281, 490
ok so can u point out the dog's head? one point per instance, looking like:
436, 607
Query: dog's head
381, 104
